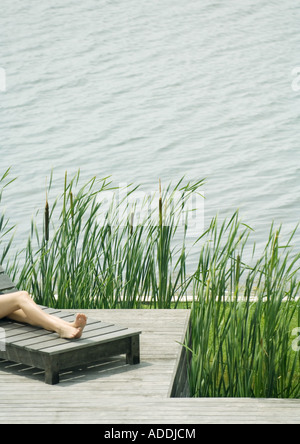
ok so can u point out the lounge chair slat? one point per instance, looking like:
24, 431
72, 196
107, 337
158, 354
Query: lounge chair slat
5, 282
88, 336
86, 342
42, 337
29, 337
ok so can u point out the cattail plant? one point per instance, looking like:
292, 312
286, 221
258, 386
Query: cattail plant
111, 264
241, 332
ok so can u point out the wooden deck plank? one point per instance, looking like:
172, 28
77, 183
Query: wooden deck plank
110, 392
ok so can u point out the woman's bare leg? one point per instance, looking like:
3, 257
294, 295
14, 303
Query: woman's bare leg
20, 307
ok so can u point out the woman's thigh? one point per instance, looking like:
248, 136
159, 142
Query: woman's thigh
8, 304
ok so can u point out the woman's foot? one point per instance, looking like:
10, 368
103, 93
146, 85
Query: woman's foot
73, 330
80, 323
69, 332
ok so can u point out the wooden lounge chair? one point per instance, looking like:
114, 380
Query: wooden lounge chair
39, 348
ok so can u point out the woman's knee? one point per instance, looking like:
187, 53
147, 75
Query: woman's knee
22, 296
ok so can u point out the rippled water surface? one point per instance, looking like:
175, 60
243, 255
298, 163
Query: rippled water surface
143, 90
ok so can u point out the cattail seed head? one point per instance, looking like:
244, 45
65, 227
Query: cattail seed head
47, 221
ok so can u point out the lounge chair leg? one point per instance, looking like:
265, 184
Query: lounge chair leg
51, 372
133, 357
51, 377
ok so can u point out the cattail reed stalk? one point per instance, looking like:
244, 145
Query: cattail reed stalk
160, 205
275, 248
72, 205
65, 194
237, 273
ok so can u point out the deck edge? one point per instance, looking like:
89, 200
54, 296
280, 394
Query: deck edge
179, 385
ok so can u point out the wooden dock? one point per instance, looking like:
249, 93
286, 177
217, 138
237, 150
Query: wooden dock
112, 392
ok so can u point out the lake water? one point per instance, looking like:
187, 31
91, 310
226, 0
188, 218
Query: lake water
142, 90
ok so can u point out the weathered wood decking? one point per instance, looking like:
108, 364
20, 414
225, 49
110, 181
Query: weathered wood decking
111, 392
